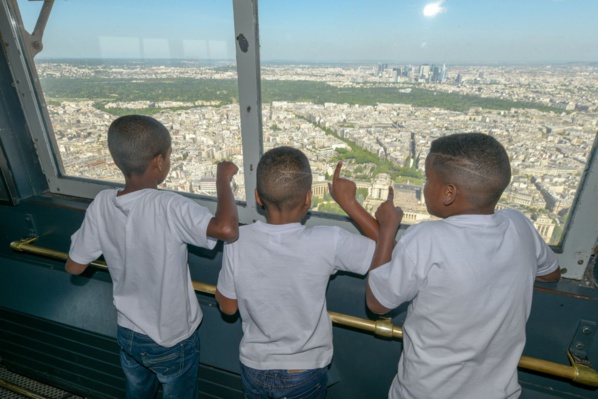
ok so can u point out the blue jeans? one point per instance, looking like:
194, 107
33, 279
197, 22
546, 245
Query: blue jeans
279, 384
147, 365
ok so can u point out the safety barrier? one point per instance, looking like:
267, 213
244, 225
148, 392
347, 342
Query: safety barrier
579, 373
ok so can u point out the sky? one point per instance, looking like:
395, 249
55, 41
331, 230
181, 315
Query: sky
326, 31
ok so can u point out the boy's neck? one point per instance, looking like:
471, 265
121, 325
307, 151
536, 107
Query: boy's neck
136, 183
284, 217
471, 210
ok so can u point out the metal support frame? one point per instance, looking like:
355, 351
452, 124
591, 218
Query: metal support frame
582, 340
34, 39
250, 97
579, 243
8, 191
28, 87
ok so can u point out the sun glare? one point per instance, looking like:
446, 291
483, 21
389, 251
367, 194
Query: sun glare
433, 9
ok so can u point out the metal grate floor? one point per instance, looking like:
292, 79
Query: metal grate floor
36, 387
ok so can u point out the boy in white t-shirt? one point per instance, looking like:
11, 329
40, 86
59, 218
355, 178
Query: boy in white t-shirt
143, 234
276, 275
469, 278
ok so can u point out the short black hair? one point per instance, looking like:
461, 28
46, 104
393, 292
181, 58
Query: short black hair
134, 140
283, 178
476, 162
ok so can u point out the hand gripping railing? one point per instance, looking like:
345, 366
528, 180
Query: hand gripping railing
579, 373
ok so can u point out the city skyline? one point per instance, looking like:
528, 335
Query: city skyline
449, 31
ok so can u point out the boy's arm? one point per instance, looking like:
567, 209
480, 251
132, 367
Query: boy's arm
551, 277
389, 218
343, 192
225, 223
227, 305
73, 267
371, 301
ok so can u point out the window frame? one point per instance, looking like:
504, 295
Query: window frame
580, 241
578, 244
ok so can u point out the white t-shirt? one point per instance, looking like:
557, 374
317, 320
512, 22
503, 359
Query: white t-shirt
470, 279
143, 236
279, 275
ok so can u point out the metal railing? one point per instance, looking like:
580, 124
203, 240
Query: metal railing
578, 373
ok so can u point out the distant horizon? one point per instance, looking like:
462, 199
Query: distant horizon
305, 62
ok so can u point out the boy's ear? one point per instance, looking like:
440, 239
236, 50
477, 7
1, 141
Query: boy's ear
257, 198
450, 194
308, 199
157, 162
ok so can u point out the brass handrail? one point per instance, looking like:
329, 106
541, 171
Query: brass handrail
383, 327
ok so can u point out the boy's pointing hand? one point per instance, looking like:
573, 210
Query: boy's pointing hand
387, 214
342, 190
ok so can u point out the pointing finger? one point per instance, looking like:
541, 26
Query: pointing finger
391, 194
337, 171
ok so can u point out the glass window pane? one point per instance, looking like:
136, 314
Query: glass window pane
174, 60
374, 82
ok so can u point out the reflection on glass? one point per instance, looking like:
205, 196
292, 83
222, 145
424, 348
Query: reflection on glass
173, 60
373, 83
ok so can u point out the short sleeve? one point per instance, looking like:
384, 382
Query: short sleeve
547, 259
397, 281
85, 242
191, 221
226, 278
354, 252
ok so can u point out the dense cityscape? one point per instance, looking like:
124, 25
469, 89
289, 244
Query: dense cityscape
548, 144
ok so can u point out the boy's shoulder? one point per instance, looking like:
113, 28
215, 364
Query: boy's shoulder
425, 227
292, 228
431, 227
175, 201
511, 213
106, 193
104, 196
517, 217
160, 198
161, 195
